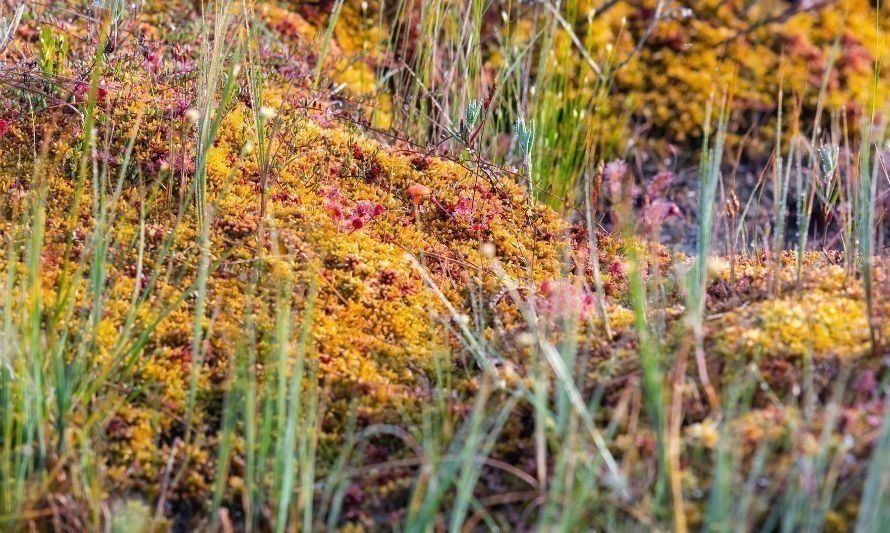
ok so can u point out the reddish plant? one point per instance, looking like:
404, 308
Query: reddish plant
558, 299
659, 211
363, 213
614, 175
659, 184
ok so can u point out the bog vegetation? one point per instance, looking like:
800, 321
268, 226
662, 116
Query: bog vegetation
444, 265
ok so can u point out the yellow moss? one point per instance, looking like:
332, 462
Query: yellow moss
819, 323
827, 318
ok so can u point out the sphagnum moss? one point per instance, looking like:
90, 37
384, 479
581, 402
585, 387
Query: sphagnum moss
373, 330
343, 211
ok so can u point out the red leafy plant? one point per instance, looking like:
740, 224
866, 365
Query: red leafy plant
562, 299
654, 207
361, 214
